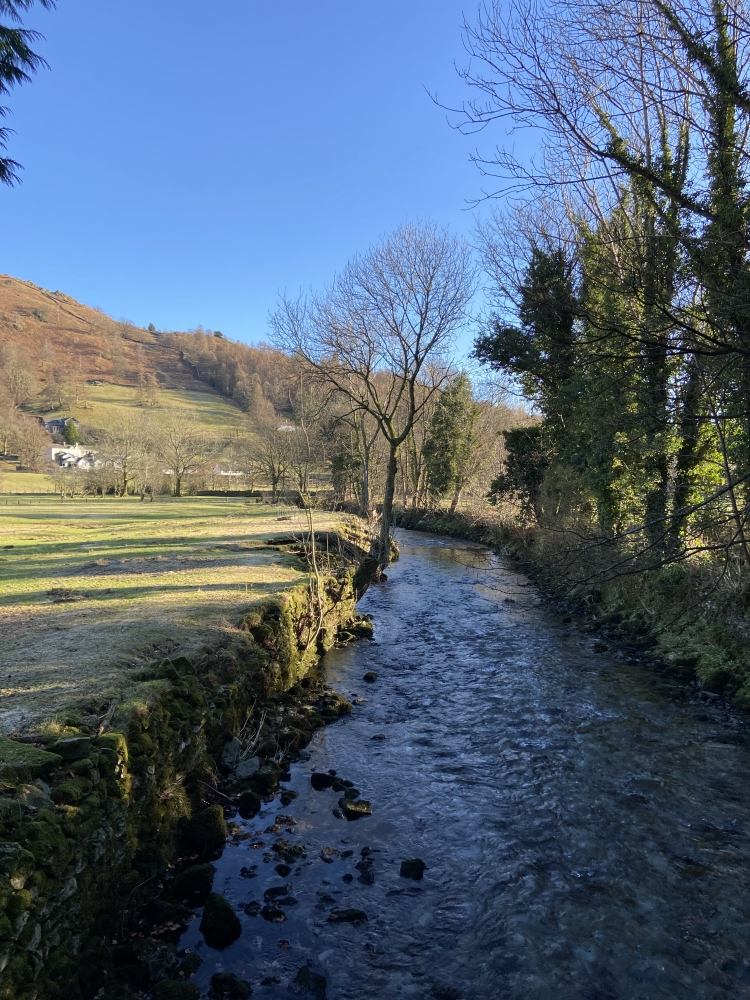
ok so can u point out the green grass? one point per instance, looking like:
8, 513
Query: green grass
105, 401
90, 588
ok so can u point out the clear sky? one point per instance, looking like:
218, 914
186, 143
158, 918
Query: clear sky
184, 161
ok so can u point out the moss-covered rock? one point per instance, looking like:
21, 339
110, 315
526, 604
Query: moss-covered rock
72, 747
310, 984
220, 925
193, 886
71, 791
225, 986
206, 831
26, 757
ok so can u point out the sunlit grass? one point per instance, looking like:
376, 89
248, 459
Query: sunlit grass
91, 587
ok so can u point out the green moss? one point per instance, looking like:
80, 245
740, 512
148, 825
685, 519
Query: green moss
18, 903
72, 790
207, 831
23, 755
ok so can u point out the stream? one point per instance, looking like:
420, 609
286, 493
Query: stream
584, 823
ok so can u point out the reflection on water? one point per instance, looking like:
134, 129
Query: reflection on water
584, 826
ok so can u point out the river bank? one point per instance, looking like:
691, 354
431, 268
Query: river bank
93, 807
677, 620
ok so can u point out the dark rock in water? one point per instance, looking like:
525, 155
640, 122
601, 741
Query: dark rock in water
220, 925
225, 986
366, 851
379, 736
288, 797
175, 990
287, 901
282, 870
414, 868
207, 831
348, 877
310, 984
337, 786
320, 781
370, 677
440, 992
193, 885
252, 909
270, 981
249, 805
355, 917
337, 813
351, 793
332, 773
365, 866
328, 854
277, 890
250, 872
266, 780
283, 820
273, 914
355, 810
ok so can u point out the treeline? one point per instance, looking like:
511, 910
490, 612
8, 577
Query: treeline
621, 272
248, 375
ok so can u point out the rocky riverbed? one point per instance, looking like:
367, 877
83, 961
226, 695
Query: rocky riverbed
507, 812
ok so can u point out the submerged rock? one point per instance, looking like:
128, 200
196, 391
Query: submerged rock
310, 984
175, 990
220, 925
273, 914
282, 870
355, 809
370, 677
207, 831
355, 917
320, 781
414, 868
225, 986
249, 805
328, 854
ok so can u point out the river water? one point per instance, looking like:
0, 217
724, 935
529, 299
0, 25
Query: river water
584, 824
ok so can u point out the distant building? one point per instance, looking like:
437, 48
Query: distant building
74, 457
58, 424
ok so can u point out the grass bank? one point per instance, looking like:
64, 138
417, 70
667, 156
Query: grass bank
142, 640
685, 619
92, 590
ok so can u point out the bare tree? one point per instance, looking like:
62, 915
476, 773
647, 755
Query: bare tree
182, 443
19, 372
273, 445
383, 328
124, 445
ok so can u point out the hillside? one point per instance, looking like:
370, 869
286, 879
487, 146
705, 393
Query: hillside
56, 330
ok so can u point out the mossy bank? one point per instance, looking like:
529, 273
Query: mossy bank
90, 819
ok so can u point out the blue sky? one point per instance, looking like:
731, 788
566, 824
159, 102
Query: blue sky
185, 162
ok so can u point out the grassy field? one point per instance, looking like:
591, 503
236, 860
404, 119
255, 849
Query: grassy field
92, 588
106, 401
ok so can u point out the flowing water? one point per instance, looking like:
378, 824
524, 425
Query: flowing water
584, 824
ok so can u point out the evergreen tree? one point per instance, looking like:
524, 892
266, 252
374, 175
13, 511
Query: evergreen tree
17, 63
452, 440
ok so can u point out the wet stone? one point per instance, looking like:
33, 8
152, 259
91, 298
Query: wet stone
277, 891
220, 925
349, 916
414, 868
249, 805
328, 854
320, 781
283, 870
370, 677
247, 768
310, 984
355, 810
273, 914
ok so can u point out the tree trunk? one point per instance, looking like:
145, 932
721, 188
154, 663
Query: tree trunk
384, 546
177, 485
456, 498
365, 501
